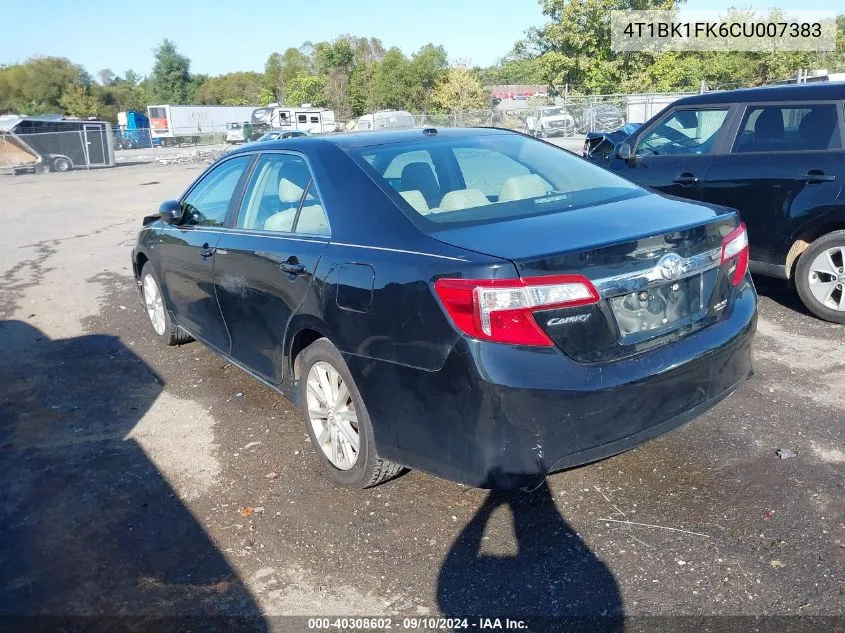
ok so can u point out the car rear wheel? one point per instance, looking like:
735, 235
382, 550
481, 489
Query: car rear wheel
820, 277
166, 331
337, 421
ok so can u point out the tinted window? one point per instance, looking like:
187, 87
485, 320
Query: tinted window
487, 178
683, 132
315, 119
301, 118
274, 193
312, 217
281, 196
789, 128
208, 202
157, 113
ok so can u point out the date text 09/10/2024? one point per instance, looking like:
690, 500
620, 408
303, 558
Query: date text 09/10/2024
416, 623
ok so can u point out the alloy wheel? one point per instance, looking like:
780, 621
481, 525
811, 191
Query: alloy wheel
332, 415
827, 278
154, 304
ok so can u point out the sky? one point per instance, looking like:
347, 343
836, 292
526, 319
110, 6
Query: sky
221, 36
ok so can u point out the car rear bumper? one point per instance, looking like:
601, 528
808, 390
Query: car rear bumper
496, 416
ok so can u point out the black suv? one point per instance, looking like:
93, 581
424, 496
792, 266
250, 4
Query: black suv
777, 154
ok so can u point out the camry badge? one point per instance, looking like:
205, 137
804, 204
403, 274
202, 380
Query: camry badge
670, 265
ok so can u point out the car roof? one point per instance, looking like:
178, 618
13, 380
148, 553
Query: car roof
355, 140
794, 92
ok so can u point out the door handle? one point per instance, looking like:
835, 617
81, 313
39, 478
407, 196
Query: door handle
206, 251
292, 266
817, 175
686, 179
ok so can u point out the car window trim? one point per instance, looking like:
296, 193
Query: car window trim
718, 146
232, 217
740, 118
236, 194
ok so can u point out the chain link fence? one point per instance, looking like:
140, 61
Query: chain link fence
568, 116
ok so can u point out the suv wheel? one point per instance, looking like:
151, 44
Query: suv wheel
820, 277
337, 421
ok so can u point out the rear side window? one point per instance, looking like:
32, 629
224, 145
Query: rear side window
683, 132
484, 178
789, 128
281, 197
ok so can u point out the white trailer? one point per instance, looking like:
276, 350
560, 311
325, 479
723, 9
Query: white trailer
385, 120
305, 118
176, 123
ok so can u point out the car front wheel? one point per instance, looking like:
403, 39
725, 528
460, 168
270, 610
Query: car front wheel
166, 331
337, 421
820, 277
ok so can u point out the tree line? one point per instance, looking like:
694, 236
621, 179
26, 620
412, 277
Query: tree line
354, 75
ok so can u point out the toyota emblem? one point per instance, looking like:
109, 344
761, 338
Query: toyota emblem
670, 265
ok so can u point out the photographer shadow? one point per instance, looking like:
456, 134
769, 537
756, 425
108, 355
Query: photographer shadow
89, 527
553, 572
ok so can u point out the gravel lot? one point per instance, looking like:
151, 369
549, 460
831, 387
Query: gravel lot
141, 480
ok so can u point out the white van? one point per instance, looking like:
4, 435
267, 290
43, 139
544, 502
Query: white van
304, 118
385, 120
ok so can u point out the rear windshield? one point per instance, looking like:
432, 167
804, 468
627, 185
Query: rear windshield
477, 179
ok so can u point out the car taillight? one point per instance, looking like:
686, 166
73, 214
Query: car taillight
500, 310
735, 250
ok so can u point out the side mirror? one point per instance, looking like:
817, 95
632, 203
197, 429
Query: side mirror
171, 211
623, 151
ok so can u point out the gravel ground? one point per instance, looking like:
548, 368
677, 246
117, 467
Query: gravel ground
136, 479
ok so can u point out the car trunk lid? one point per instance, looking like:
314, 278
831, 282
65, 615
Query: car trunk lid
655, 262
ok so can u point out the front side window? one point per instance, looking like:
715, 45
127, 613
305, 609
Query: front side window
280, 197
789, 128
486, 178
683, 132
207, 203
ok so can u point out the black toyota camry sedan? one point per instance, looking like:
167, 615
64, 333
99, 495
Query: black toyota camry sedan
473, 303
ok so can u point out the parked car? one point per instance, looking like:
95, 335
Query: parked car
600, 117
550, 121
469, 302
274, 135
776, 154
599, 146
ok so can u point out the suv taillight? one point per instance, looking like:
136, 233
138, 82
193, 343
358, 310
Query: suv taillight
500, 310
735, 250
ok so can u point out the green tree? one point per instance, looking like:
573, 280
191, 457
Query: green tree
389, 82
335, 62
78, 102
459, 90
239, 88
360, 88
171, 75
576, 43
425, 69
35, 86
305, 88
281, 68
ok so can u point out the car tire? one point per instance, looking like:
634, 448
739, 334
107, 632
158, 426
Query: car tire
331, 425
820, 277
61, 164
167, 332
